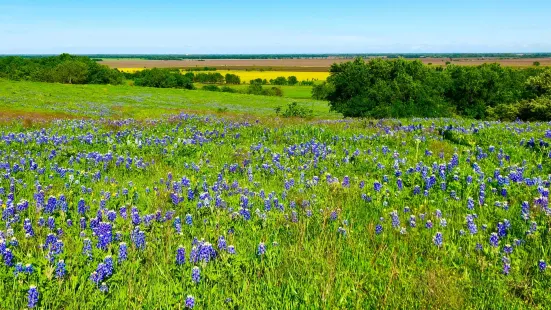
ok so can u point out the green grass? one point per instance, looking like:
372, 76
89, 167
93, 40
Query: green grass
295, 92
322, 248
138, 102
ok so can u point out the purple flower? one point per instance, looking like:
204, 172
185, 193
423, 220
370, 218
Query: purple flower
231, 249
437, 239
221, 243
494, 240
123, 252
103, 288
261, 249
180, 255
378, 229
32, 297
60, 270
196, 274
542, 265
190, 302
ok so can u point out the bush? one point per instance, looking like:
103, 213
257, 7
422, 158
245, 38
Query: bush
292, 80
281, 80
162, 78
226, 89
257, 89
321, 91
295, 110
232, 79
210, 88
538, 109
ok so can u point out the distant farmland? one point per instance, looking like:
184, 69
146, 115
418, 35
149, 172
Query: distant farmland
248, 75
310, 65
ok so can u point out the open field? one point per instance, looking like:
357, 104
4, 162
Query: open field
305, 64
247, 76
20, 98
296, 91
112, 197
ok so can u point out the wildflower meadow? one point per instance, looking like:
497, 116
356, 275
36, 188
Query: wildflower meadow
198, 211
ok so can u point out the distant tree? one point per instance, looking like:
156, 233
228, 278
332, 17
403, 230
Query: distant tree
281, 80
232, 79
536, 63
71, 72
292, 80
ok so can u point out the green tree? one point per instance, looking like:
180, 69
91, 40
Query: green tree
322, 91
281, 80
232, 79
386, 88
540, 84
292, 80
71, 72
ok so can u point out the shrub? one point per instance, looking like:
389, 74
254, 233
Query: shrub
295, 110
210, 88
321, 91
226, 89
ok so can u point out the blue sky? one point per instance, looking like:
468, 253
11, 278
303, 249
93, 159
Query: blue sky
278, 26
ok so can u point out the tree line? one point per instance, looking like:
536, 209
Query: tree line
401, 88
64, 68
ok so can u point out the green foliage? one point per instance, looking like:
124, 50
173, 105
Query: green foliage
536, 63
64, 68
280, 80
293, 109
232, 79
259, 81
400, 88
162, 78
386, 88
71, 72
209, 78
257, 89
228, 89
538, 109
292, 80
540, 84
322, 91
211, 88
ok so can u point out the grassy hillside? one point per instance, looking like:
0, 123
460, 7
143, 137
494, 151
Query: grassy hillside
17, 98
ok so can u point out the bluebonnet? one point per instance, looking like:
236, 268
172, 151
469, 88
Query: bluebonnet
190, 302
189, 219
32, 297
196, 274
494, 240
123, 252
378, 229
221, 243
542, 265
60, 270
180, 255
103, 288
261, 249
437, 239
87, 248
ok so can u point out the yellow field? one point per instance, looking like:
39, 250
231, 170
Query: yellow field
246, 76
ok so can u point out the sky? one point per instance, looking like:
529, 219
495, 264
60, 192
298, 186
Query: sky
276, 26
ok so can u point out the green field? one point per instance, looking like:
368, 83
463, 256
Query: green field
148, 198
141, 102
295, 92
